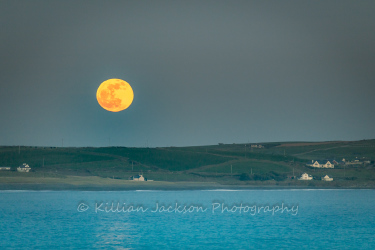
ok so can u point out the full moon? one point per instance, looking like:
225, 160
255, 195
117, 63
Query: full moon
115, 95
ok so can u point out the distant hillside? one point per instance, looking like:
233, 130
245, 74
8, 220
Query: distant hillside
224, 163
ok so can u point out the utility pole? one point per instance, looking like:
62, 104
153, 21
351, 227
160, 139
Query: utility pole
293, 173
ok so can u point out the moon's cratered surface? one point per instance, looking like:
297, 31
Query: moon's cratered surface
115, 95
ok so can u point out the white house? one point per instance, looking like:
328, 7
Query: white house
327, 178
305, 177
23, 168
137, 178
328, 165
313, 164
316, 164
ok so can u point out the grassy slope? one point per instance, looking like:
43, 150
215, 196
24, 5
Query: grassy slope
205, 163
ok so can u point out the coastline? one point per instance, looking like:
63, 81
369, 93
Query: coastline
94, 183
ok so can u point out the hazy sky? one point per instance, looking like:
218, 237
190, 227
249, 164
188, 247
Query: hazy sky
202, 72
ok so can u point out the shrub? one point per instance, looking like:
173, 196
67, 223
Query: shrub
245, 177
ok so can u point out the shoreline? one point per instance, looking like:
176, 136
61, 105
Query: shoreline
162, 187
94, 183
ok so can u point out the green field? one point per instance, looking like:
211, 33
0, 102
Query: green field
234, 164
248, 166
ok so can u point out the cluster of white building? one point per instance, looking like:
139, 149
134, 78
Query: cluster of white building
317, 164
23, 168
306, 177
356, 161
332, 163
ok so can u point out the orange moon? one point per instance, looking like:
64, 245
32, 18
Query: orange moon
115, 95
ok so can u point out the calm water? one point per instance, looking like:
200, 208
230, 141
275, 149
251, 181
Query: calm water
273, 219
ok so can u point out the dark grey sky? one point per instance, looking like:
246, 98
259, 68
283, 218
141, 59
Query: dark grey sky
202, 72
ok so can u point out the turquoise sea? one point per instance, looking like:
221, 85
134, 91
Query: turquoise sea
209, 219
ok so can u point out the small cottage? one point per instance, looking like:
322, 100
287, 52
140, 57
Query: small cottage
137, 178
23, 168
305, 177
327, 178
